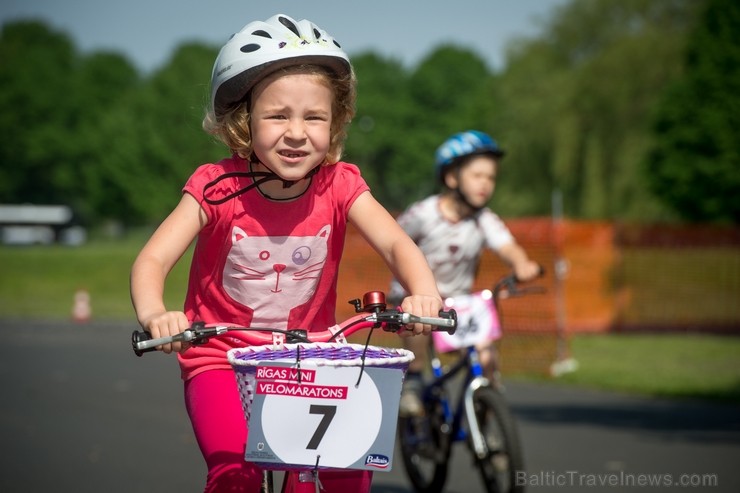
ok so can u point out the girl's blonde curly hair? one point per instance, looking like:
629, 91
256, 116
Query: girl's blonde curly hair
232, 127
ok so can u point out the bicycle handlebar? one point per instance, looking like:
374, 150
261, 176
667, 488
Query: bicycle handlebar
372, 309
509, 286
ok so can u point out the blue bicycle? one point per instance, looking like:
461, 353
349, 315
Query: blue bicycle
462, 405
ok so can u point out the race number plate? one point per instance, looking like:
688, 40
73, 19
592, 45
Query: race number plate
477, 322
324, 419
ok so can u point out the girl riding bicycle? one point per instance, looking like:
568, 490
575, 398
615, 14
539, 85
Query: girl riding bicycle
452, 229
270, 223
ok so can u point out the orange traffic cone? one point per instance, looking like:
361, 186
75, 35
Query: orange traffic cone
81, 309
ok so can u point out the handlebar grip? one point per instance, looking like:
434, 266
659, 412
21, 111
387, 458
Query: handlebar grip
143, 343
447, 320
450, 314
139, 344
540, 273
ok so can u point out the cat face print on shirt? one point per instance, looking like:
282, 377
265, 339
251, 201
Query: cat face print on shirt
274, 274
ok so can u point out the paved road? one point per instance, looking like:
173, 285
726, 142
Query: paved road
80, 413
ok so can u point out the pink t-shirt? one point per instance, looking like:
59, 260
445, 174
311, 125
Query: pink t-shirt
265, 263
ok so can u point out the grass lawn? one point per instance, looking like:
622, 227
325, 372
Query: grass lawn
667, 365
40, 283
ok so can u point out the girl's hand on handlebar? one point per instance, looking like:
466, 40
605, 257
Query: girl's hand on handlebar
422, 306
168, 324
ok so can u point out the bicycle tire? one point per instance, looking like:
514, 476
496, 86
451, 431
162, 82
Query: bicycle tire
498, 469
425, 448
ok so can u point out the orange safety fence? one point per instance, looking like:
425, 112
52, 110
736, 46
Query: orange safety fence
600, 276
677, 278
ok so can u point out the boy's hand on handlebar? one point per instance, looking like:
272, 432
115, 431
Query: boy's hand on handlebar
527, 271
168, 324
422, 306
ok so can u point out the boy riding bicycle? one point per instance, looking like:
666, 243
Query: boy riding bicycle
452, 228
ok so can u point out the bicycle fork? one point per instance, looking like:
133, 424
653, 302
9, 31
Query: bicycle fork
476, 436
478, 381
301, 482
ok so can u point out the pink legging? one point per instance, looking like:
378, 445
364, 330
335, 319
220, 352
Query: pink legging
213, 404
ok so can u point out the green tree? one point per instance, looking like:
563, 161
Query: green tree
101, 80
374, 141
447, 90
36, 66
152, 140
51, 103
577, 101
403, 116
571, 107
694, 166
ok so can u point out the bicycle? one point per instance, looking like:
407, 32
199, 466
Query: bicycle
290, 356
480, 416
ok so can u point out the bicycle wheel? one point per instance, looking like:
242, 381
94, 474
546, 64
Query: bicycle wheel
504, 458
425, 448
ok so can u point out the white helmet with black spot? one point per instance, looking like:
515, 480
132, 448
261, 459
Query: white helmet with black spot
261, 47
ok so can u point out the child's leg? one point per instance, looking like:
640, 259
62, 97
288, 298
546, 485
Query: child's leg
488, 354
333, 482
213, 404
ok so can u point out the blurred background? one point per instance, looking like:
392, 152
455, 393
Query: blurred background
619, 118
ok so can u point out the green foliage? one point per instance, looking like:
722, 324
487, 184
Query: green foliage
88, 132
403, 116
696, 157
572, 108
374, 142
35, 109
152, 140
577, 101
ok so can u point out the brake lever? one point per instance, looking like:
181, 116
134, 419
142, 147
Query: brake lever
197, 334
516, 290
533, 290
507, 287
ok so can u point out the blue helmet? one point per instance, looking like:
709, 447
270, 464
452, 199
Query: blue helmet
470, 142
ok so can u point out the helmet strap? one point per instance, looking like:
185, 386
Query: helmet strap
461, 197
458, 194
259, 177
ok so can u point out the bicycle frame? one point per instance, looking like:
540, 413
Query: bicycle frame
462, 404
473, 380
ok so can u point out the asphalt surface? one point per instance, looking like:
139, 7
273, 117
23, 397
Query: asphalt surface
79, 412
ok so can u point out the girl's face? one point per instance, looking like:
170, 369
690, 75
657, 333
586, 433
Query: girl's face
291, 124
476, 179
